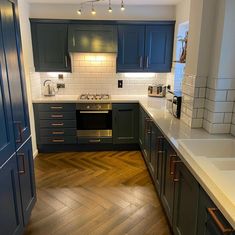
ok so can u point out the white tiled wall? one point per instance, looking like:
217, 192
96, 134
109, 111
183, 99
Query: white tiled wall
96, 73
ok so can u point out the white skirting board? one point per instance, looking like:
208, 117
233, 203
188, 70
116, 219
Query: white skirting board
35, 154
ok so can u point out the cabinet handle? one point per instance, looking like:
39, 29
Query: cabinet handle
146, 127
222, 228
147, 62
56, 107
58, 141
74, 42
22, 156
19, 127
66, 61
175, 178
172, 170
95, 141
57, 124
57, 132
141, 62
57, 116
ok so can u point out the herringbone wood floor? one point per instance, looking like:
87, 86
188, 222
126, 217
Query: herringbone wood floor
95, 193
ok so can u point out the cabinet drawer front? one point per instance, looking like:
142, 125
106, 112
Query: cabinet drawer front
57, 115
58, 132
59, 140
57, 123
56, 107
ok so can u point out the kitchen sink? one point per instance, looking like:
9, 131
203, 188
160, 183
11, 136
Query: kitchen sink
210, 148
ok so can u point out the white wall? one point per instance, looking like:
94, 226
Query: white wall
28, 61
69, 11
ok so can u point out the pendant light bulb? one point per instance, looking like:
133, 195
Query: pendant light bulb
79, 12
122, 6
93, 12
110, 8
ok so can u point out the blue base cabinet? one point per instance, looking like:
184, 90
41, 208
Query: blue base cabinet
210, 218
26, 179
11, 220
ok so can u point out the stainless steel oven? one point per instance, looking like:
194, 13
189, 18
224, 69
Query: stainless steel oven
94, 122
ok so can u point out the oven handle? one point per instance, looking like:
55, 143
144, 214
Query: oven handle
94, 111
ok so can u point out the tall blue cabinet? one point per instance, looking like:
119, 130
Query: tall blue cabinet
17, 182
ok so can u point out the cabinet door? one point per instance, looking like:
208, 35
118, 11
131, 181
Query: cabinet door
141, 127
10, 205
14, 65
130, 48
7, 142
167, 194
185, 202
206, 224
159, 48
50, 47
125, 123
93, 38
27, 179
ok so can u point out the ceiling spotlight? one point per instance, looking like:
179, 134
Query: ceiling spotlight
93, 12
122, 6
79, 12
110, 8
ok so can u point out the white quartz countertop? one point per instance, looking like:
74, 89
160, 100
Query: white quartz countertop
219, 184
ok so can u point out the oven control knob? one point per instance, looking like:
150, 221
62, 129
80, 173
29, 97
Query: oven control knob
88, 107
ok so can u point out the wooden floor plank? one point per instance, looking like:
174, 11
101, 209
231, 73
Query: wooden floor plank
95, 193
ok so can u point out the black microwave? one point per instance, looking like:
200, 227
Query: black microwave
174, 100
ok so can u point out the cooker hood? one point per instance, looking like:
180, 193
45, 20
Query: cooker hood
84, 38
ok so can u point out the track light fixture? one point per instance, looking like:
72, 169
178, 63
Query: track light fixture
93, 12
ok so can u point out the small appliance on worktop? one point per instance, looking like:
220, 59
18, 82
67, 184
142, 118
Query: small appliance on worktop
94, 120
157, 91
174, 99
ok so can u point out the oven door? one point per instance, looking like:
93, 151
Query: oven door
94, 124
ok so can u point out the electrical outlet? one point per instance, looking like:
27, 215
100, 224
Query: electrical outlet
61, 76
120, 83
60, 85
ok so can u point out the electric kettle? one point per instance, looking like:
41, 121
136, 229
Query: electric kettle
49, 88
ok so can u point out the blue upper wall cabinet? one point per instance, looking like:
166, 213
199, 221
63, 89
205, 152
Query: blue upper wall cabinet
92, 38
145, 48
50, 47
14, 70
131, 48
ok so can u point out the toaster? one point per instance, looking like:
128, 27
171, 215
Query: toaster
157, 91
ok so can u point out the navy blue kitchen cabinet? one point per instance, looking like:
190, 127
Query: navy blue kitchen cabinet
50, 47
145, 48
186, 199
159, 48
15, 74
92, 38
130, 48
167, 187
125, 123
11, 220
210, 219
27, 179
7, 141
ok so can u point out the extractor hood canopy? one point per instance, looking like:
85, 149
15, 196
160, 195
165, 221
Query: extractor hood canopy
92, 3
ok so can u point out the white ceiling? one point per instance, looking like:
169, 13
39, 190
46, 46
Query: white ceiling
127, 2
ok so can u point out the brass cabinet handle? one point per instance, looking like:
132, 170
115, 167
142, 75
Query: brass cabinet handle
58, 141
222, 228
57, 116
57, 132
141, 61
175, 179
172, 170
22, 156
66, 61
56, 107
146, 127
19, 127
95, 141
57, 124
147, 62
